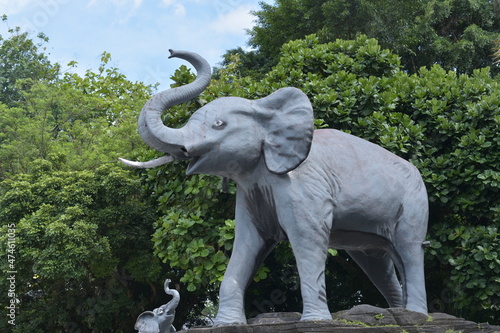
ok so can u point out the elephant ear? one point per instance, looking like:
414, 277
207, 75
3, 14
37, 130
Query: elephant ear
146, 323
288, 118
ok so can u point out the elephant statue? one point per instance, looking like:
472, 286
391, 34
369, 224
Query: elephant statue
160, 319
317, 189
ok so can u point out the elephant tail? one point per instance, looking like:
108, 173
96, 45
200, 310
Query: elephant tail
398, 262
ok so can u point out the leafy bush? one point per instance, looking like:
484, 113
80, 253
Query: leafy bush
83, 254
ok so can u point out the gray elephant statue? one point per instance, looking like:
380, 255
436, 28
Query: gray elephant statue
160, 319
316, 189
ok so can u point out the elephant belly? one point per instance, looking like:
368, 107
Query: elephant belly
369, 243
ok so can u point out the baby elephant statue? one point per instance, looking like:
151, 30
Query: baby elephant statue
317, 189
160, 319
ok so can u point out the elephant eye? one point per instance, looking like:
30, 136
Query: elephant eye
219, 124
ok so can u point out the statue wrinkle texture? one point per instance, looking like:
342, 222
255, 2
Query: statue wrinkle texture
317, 189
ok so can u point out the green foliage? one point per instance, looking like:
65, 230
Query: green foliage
473, 254
23, 63
76, 122
249, 63
457, 34
195, 231
460, 155
83, 255
200, 253
83, 250
496, 48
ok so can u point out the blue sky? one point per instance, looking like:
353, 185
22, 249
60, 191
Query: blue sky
137, 33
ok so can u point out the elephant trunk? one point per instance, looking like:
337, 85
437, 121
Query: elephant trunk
170, 306
151, 127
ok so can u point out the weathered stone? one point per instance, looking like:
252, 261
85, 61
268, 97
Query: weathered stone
406, 317
448, 322
275, 317
404, 321
367, 314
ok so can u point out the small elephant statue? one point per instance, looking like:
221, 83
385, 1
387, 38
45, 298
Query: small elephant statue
160, 319
317, 189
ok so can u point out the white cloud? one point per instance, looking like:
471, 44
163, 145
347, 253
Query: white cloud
119, 3
126, 8
12, 7
31, 15
234, 21
179, 9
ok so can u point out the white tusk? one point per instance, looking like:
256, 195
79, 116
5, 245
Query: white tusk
149, 164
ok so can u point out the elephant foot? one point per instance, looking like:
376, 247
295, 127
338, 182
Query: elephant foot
417, 308
316, 316
219, 322
227, 319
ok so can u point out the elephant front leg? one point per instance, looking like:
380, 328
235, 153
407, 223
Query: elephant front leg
310, 255
249, 250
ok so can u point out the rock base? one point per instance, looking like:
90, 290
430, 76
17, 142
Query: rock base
361, 318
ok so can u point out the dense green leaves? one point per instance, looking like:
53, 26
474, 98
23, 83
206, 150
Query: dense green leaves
474, 258
457, 34
83, 255
74, 122
22, 64
83, 252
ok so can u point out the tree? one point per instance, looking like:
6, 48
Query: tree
82, 250
75, 122
445, 123
23, 63
456, 34
81, 230
249, 63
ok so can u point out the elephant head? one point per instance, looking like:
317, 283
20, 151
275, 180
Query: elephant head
229, 135
160, 319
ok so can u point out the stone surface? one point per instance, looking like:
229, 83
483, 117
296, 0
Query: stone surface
274, 317
405, 317
367, 314
359, 319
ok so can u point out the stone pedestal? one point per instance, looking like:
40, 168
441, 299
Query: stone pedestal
359, 319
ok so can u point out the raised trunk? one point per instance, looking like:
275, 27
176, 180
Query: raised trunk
151, 127
170, 306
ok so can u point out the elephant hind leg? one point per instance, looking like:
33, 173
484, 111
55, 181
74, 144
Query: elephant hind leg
380, 269
409, 236
411, 255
